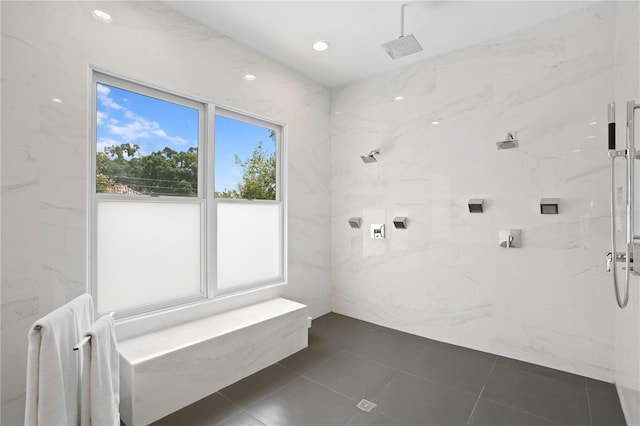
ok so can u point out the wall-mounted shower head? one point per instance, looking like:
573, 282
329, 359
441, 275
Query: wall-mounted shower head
372, 157
509, 143
403, 45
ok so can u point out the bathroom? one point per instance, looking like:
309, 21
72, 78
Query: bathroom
435, 122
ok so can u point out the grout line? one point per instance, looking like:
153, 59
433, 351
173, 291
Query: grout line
330, 389
361, 356
493, 366
586, 388
531, 413
351, 419
321, 364
474, 407
271, 392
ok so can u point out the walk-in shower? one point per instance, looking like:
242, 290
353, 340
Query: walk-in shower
372, 157
632, 244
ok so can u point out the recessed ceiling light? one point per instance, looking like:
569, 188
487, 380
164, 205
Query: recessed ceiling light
590, 137
593, 123
320, 46
101, 15
398, 98
249, 77
435, 123
577, 150
56, 100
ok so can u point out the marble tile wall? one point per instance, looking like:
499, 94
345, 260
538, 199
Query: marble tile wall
47, 48
627, 87
445, 277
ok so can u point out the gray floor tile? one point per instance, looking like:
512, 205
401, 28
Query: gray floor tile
600, 386
489, 413
382, 348
255, 387
333, 333
541, 395
308, 358
562, 376
303, 403
462, 369
605, 409
345, 320
242, 419
422, 402
374, 419
352, 376
212, 410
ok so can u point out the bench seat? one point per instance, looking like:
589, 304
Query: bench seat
166, 370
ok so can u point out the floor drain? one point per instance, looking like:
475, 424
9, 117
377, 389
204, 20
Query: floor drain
365, 405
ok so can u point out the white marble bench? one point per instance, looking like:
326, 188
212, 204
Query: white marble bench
166, 370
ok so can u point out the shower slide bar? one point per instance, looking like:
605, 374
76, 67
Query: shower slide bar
632, 245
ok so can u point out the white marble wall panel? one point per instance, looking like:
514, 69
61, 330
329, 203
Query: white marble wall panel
445, 277
47, 48
627, 87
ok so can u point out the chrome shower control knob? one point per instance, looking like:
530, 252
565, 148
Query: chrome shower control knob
609, 261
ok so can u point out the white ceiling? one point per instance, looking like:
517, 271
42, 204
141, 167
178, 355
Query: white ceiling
285, 30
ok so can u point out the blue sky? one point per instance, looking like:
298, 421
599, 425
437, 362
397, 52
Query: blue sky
153, 124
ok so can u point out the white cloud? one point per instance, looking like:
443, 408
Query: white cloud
104, 98
101, 117
137, 128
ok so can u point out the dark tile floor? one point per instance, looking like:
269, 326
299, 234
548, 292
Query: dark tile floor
413, 381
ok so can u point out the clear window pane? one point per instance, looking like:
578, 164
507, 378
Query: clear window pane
245, 165
145, 146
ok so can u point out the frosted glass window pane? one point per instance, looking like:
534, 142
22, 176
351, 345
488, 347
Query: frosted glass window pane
147, 253
249, 245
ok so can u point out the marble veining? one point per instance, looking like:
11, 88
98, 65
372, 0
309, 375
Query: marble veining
47, 48
445, 277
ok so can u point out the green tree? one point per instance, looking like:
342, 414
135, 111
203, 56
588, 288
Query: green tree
164, 172
259, 177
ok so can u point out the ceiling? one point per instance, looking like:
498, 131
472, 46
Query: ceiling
285, 30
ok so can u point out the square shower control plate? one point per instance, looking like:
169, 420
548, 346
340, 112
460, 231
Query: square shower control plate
377, 231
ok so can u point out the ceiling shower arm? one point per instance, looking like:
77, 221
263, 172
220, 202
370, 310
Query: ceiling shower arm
402, 20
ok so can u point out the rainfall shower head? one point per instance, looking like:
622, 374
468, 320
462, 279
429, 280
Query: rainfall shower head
403, 45
372, 157
509, 143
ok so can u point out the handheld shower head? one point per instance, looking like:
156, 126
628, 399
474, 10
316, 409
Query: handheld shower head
509, 143
372, 157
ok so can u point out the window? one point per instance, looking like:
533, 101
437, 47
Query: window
186, 199
245, 158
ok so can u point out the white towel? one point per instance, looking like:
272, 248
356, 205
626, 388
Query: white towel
53, 368
101, 376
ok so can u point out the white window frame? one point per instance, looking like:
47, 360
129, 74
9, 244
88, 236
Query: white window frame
205, 191
279, 130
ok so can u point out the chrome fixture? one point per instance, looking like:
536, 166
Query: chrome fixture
509, 142
400, 222
377, 231
549, 205
403, 45
632, 244
372, 157
510, 238
476, 205
354, 222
